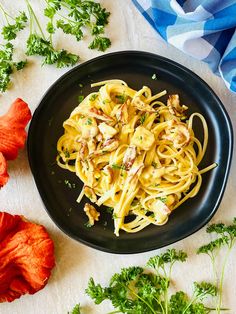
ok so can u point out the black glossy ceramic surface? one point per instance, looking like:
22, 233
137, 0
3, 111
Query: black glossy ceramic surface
137, 69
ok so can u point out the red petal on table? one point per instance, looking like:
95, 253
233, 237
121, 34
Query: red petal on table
12, 129
4, 176
26, 257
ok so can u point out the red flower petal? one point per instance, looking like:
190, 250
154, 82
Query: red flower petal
26, 257
12, 129
3, 171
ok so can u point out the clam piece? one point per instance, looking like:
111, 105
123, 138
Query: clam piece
89, 193
129, 157
160, 209
174, 106
177, 133
122, 113
100, 115
142, 106
107, 130
143, 138
110, 145
83, 151
109, 174
89, 128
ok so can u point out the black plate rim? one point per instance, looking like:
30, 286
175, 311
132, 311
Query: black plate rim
182, 68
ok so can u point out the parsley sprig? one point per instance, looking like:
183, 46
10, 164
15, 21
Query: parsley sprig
136, 290
9, 31
76, 309
80, 16
225, 236
38, 44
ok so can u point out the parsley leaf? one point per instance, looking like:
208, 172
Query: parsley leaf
81, 16
37, 45
7, 66
100, 43
135, 291
76, 309
115, 166
225, 236
10, 31
143, 118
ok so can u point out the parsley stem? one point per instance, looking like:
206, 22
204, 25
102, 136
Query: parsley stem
30, 9
166, 289
6, 15
62, 16
190, 303
159, 302
222, 277
137, 296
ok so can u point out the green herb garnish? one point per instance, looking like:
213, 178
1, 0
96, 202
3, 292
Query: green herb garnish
93, 97
100, 43
137, 290
89, 121
143, 118
80, 98
115, 166
39, 45
75, 310
154, 164
80, 16
162, 199
225, 236
87, 225
110, 210
121, 98
154, 77
9, 31
66, 153
114, 216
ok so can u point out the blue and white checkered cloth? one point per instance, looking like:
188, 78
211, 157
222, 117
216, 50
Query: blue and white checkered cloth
204, 29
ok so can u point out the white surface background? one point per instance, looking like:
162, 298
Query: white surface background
76, 263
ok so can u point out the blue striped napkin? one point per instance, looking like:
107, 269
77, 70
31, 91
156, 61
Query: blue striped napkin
204, 29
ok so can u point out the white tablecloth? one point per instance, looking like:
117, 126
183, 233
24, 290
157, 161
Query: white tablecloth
76, 263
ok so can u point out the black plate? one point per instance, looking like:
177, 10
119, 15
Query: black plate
137, 69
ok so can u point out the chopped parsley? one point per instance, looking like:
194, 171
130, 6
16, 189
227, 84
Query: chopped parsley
109, 210
76, 309
115, 166
93, 97
67, 154
87, 225
70, 185
154, 164
106, 101
80, 98
89, 121
143, 118
154, 77
100, 43
121, 98
162, 199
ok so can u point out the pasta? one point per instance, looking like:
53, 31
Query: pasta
134, 154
